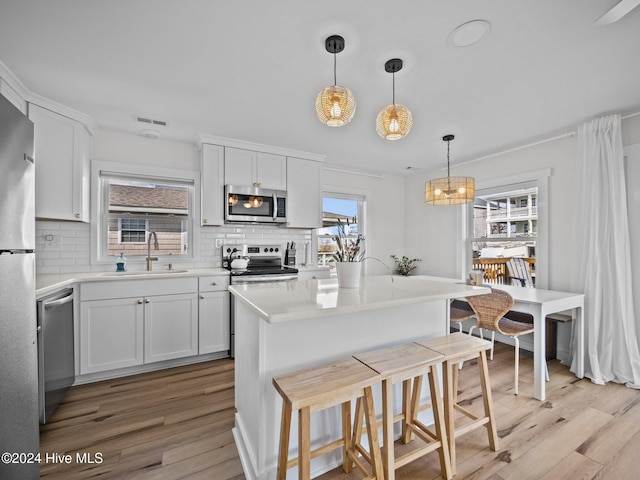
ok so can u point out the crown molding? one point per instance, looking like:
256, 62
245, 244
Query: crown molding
31, 97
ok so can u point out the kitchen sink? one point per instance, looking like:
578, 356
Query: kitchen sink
144, 272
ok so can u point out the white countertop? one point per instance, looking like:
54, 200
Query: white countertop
49, 283
286, 301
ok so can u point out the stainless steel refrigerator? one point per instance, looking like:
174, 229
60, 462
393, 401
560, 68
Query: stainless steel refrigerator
19, 432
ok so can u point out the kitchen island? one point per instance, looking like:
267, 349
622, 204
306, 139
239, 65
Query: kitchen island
283, 327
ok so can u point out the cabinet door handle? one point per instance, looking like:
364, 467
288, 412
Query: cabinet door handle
214, 283
77, 215
201, 297
205, 221
146, 300
140, 301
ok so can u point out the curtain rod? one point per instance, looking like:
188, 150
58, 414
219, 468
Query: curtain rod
532, 144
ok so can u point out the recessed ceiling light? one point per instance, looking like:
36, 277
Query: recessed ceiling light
469, 33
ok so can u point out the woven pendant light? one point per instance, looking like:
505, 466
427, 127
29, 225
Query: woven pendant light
395, 120
450, 190
335, 105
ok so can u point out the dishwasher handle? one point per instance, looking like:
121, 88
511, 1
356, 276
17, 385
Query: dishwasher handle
58, 302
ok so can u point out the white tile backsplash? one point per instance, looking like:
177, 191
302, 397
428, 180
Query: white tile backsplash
70, 248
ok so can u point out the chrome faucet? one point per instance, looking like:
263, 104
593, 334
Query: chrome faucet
155, 245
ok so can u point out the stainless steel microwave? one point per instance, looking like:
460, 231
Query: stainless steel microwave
254, 205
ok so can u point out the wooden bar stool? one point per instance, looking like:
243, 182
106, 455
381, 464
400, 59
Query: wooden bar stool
315, 389
456, 348
408, 363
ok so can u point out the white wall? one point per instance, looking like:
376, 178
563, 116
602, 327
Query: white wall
385, 215
632, 153
112, 146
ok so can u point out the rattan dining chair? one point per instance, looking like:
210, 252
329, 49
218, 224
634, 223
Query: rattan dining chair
490, 310
460, 311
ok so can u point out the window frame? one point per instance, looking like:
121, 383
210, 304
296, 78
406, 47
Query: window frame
348, 194
99, 218
540, 179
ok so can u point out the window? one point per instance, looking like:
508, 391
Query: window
343, 208
132, 230
501, 230
131, 204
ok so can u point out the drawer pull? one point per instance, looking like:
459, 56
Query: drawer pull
214, 283
146, 300
140, 302
201, 297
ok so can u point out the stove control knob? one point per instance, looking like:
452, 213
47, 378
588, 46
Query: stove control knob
277, 249
266, 250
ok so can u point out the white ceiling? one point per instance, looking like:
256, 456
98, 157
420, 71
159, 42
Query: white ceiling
251, 70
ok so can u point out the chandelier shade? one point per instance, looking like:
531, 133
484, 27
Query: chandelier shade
395, 120
335, 105
450, 190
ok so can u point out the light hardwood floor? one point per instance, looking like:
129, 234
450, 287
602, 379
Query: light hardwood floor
177, 424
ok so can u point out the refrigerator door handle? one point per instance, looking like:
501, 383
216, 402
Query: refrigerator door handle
61, 301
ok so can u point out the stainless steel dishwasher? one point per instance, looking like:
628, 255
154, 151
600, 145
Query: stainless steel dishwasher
56, 366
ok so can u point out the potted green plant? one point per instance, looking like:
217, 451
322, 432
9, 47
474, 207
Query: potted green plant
404, 265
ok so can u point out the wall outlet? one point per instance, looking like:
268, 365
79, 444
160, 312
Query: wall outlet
51, 242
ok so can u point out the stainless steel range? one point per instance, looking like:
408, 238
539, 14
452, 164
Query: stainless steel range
260, 264
263, 264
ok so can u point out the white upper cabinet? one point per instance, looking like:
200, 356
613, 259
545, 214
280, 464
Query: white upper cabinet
62, 154
246, 164
304, 193
257, 169
212, 184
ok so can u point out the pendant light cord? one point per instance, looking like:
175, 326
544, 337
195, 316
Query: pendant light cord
394, 88
448, 170
335, 78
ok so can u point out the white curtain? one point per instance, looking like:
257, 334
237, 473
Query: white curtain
602, 256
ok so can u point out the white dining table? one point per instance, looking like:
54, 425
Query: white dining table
540, 303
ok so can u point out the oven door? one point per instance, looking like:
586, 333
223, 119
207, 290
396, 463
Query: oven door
249, 279
254, 205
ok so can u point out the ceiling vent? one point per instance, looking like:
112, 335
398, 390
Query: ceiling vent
150, 121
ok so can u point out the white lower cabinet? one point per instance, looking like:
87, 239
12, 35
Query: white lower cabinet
170, 327
214, 315
133, 322
111, 334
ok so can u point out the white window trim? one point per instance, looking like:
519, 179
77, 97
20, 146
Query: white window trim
97, 200
540, 179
